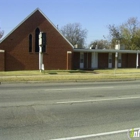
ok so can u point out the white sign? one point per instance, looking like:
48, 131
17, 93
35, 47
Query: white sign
43, 67
69, 52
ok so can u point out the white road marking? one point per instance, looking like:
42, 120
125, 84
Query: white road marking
81, 88
98, 100
96, 135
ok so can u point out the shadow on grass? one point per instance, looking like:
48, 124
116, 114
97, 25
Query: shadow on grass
83, 71
79, 71
52, 73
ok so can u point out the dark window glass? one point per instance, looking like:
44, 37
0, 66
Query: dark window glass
30, 43
44, 42
37, 31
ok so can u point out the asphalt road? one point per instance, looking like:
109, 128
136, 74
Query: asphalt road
91, 110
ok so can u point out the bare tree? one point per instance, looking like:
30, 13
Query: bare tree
114, 31
132, 25
99, 44
75, 34
1, 33
114, 34
128, 33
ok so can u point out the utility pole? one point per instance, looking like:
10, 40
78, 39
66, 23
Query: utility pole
42, 43
117, 47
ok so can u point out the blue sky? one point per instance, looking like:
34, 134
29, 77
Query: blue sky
93, 15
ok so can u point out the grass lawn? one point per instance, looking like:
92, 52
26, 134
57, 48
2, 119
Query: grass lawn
118, 71
70, 75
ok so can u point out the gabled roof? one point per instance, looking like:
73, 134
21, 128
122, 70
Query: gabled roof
30, 16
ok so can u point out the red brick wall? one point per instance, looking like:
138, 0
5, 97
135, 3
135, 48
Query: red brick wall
2, 61
129, 60
124, 60
69, 61
102, 60
76, 60
16, 46
89, 60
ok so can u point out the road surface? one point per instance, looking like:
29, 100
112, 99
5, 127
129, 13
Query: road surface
60, 111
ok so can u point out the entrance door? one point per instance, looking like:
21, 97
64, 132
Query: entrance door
110, 60
94, 60
81, 60
119, 60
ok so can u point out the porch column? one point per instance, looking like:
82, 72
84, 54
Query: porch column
116, 60
68, 59
137, 60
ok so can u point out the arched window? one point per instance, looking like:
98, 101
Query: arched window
37, 31
30, 43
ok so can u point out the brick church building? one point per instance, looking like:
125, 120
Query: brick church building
19, 50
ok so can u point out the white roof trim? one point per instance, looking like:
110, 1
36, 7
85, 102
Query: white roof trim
55, 28
2, 51
18, 25
107, 51
27, 18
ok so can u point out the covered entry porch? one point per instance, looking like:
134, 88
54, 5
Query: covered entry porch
103, 59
